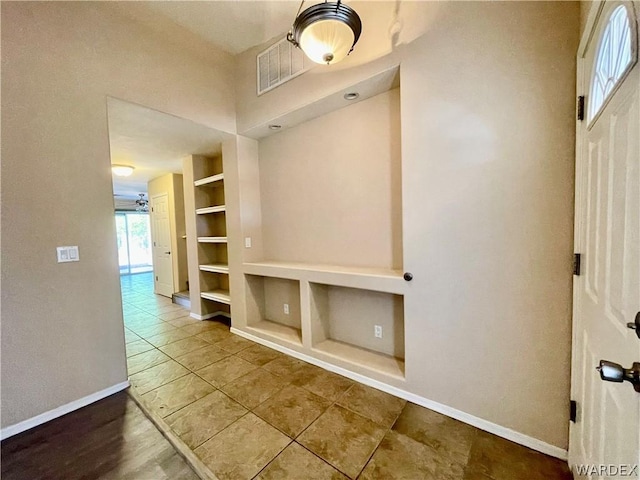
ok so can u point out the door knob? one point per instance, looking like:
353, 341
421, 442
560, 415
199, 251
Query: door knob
408, 276
613, 372
635, 325
167, 253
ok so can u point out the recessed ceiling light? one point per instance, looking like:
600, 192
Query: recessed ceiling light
351, 95
273, 126
122, 170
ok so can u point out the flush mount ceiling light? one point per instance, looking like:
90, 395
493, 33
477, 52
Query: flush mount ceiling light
326, 32
122, 170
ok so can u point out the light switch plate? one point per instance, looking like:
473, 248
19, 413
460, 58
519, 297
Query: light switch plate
247, 242
68, 254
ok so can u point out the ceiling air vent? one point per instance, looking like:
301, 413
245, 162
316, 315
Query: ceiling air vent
278, 64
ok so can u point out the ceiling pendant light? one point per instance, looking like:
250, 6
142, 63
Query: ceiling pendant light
326, 32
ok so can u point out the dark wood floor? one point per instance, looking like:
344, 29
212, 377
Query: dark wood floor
110, 439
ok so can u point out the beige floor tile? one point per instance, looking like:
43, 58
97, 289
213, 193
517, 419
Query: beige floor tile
254, 388
182, 347
321, 382
172, 315
259, 354
292, 409
215, 335
202, 357
285, 366
156, 376
234, 344
445, 435
166, 338
139, 346
297, 462
150, 331
198, 422
400, 457
501, 459
201, 326
130, 337
344, 439
173, 396
242, 449
142, 361
183, 321
378, 406
225, 371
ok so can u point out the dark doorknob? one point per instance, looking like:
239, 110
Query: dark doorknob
167, 253
635, 325
408, 276
613, 372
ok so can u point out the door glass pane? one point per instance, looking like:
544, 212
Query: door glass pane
123, 255
139, 242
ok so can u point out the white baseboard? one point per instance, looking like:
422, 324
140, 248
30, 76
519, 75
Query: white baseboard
62, 410
477, 422
207, 316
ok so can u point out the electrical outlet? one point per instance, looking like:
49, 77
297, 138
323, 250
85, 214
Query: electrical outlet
286, 309
247, 242
377, 331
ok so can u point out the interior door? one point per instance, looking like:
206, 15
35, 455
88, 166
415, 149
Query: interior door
161, 238
605, 440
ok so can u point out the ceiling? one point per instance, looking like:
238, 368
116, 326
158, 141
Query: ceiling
233, 26
154, 143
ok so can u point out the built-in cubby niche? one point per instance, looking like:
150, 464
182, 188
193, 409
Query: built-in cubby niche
266, 300
343, 323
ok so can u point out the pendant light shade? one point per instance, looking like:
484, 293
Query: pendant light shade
326, 32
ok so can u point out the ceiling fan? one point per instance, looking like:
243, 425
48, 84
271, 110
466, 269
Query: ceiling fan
142, 204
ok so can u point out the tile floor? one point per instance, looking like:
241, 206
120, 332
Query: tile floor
250, 412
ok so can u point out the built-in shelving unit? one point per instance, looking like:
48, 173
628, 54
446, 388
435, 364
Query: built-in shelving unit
208, 216
215, 268
209, 181
221, 296
212, 239
207, 210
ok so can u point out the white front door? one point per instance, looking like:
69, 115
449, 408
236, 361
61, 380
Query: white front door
161, 238
605, 440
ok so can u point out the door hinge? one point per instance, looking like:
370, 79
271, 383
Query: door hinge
581, 107
576, 263
573, 410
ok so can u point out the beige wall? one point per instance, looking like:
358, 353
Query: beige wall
330, 188
62, 333
488, 162
171, 184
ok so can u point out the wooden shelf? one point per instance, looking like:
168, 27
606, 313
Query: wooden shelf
212, 239
277, 330
215, 209
215, 268
208, 181
378, 362
221, 296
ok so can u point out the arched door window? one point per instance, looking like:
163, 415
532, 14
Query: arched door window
615, 55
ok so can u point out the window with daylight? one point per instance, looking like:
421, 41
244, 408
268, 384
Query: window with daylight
615, 55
